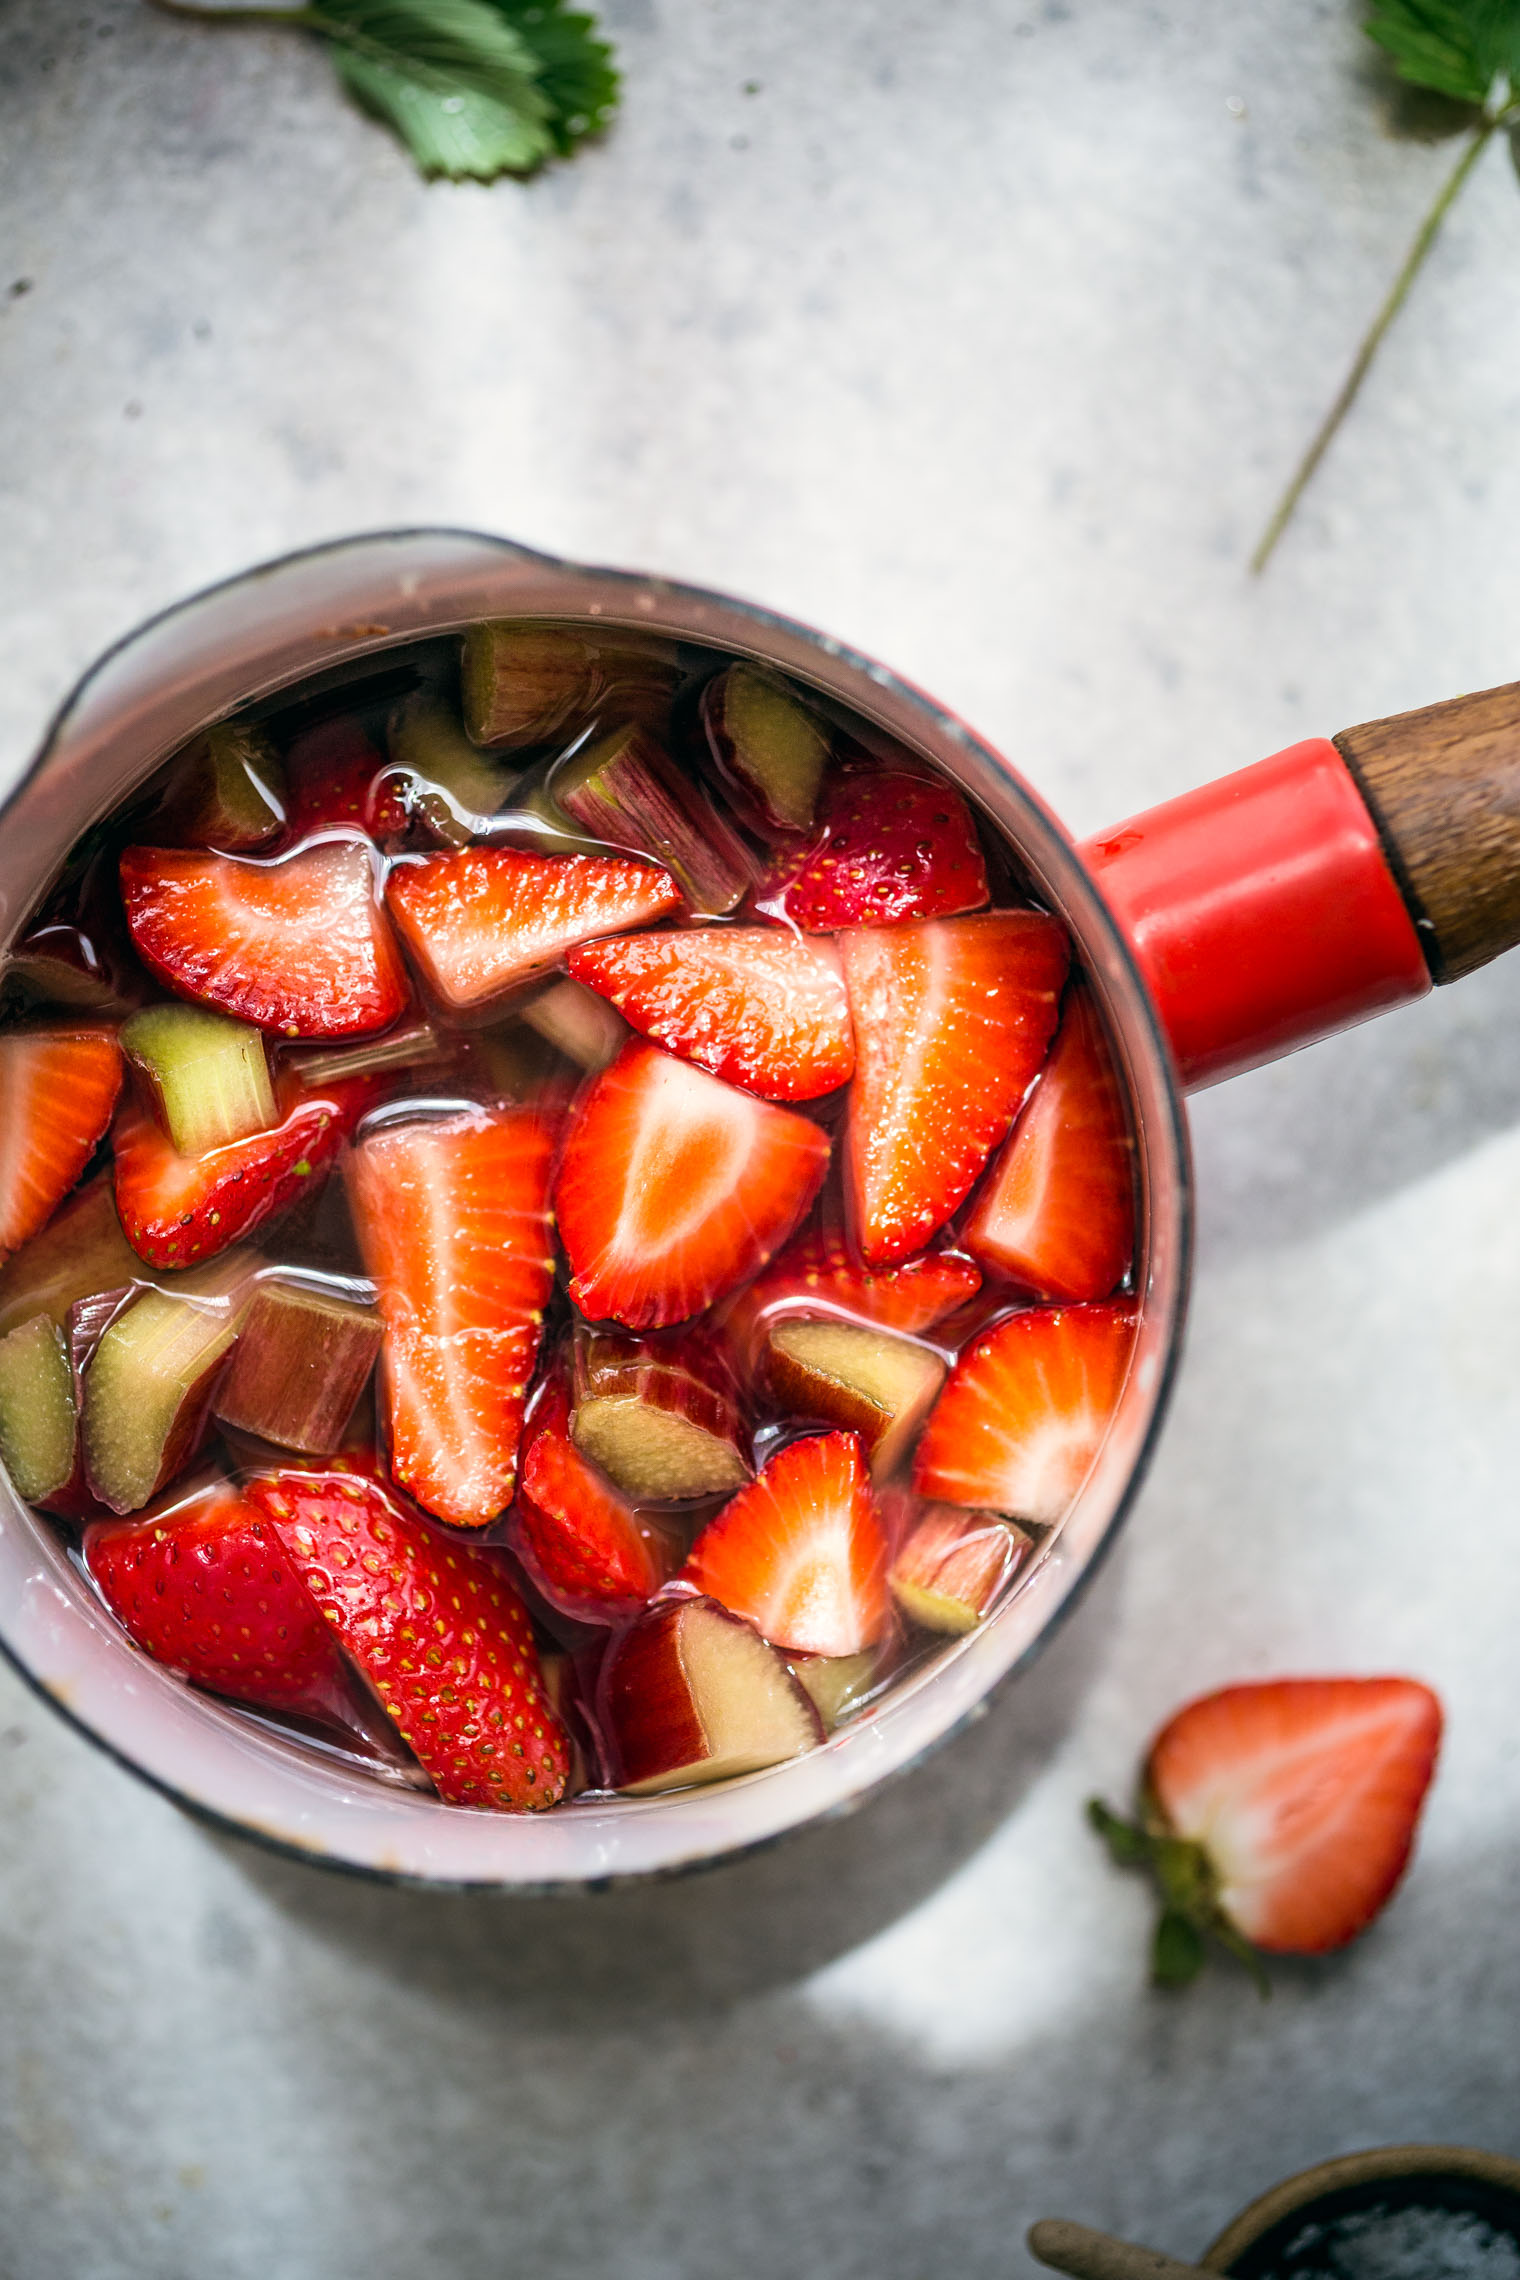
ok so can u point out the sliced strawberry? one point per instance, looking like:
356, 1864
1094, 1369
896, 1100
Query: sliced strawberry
203, 1583
674, 1187
1025, 1411
299, 944
952, 1021
1057, 1212
478, 920
335, 776
176, 1210
57, 1090
1281, 1815
757, 1005
888, 845
453, 1219
437, 1629
816, 1275
800, 1552
583, 1545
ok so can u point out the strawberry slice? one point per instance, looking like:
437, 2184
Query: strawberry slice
176, 1210
1057, 1213
888, 844
952, 1021
757, 1005
800, 1551
816, 1275
453, 1220
57, 1090
1025, 1411
299, 944
674, 1187
437, 1629
583, 1545
478, 920
203, 1583
1279, 1816
335, 776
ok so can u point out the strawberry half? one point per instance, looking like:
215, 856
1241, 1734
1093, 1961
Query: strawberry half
1025, 1411
57, 1090
816, 1275
177, 1210
299, 945
581, 1542
888, 845
481, 919
437, 1629
335, 776
1279, 1816
952, 1021
1057, 1212
204, 1585
800, 1552
453, 1220
757, 1005
674, 1187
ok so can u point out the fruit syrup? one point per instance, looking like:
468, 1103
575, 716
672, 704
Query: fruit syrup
464, 1060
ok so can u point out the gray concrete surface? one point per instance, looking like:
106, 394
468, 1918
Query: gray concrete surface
982, 335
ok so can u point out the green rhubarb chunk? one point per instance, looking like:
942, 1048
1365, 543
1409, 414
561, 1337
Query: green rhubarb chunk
148, 1387
521, 682
37, 1418
206, 1074
226, 789
453, 786
776, 748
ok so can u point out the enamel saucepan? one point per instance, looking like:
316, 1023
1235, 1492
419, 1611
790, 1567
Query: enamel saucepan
1220, 930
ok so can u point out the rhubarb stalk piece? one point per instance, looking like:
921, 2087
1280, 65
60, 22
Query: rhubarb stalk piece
522, 682
77, 952
205, 1075
37, 1415
81, 1250
770, 749
226, 789
658, 1429
453, 787
835, 1684
625, 790
689, 1693
581, 1025
149, 1384
303, 1358
414, 1045
863, 1380
954, 1565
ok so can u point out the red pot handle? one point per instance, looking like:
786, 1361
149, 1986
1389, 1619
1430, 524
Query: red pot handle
1323, 885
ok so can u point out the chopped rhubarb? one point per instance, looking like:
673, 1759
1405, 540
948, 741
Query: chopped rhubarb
298, 945
206, 1075
864, 1380
413, 1045
673, 1187
481, 920
225, 789
954, 1565
38, 1425
76, 953
303, 1358
690, 1694
758, 1006
81, 1250
149, 1385
578, 1024
626, 790
1056, 1212
658, 1417
767, 746
837, 1684
448, 782
57, 1090
816, 1276
800, 1552
521, 682
584, 1546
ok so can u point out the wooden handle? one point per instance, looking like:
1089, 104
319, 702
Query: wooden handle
1088, 2255
1443, 787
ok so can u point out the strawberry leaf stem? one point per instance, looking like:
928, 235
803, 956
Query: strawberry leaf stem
1398, 293
1191, 1914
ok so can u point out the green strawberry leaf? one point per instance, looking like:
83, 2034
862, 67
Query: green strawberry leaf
1467, 49
1177, 1951
576, 71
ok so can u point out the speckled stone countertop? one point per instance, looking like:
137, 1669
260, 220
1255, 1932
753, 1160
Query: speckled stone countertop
981, 335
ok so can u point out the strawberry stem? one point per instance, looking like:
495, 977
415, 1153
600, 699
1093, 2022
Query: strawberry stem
1425, 238
1190, 1911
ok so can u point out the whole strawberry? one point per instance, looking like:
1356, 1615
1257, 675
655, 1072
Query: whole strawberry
1278, 1817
